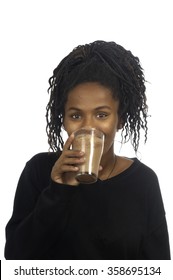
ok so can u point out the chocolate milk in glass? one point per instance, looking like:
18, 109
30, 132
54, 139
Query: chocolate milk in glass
91, 142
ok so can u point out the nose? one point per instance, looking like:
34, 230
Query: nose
88, 122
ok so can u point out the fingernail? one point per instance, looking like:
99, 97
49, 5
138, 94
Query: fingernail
76, 168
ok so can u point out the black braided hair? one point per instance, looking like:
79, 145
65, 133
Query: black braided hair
112, 66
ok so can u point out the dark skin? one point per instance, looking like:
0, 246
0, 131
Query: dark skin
90, 104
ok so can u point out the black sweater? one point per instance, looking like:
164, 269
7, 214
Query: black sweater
119, 218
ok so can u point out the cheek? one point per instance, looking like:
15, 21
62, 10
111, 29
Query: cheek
71, 127
109, 139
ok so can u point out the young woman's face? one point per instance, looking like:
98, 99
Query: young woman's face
91, 104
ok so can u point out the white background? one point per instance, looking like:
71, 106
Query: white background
36, 35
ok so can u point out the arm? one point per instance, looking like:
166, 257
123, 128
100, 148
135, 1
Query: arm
39, 216
155, 244
41, 206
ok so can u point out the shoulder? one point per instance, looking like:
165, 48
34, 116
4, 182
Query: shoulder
146, 179
41, 164
140, 175
134, 167
38, 168
143, 180
43, 158
144, 170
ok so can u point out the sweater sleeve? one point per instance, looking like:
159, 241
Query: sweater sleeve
37, 223
155, 244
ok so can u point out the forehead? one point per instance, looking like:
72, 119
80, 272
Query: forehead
90, 95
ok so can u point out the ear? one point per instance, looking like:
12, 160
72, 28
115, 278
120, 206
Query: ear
120, 124
63, 126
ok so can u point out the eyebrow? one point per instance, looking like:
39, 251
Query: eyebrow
97, 108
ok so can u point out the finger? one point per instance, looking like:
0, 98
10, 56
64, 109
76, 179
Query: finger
73, 161
68, 142
73, 153
69, 168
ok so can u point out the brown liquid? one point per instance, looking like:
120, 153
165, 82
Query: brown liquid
92, 146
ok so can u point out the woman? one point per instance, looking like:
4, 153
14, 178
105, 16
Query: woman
121, 216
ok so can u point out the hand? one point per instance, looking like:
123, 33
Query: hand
66, 167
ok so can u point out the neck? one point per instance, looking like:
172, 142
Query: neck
108, 157
108, 164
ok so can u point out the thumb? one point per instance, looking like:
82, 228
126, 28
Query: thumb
100, 168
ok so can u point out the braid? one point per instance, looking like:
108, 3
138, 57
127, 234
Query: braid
112, 66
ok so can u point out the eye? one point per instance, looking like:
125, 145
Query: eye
102, 115
75, 116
